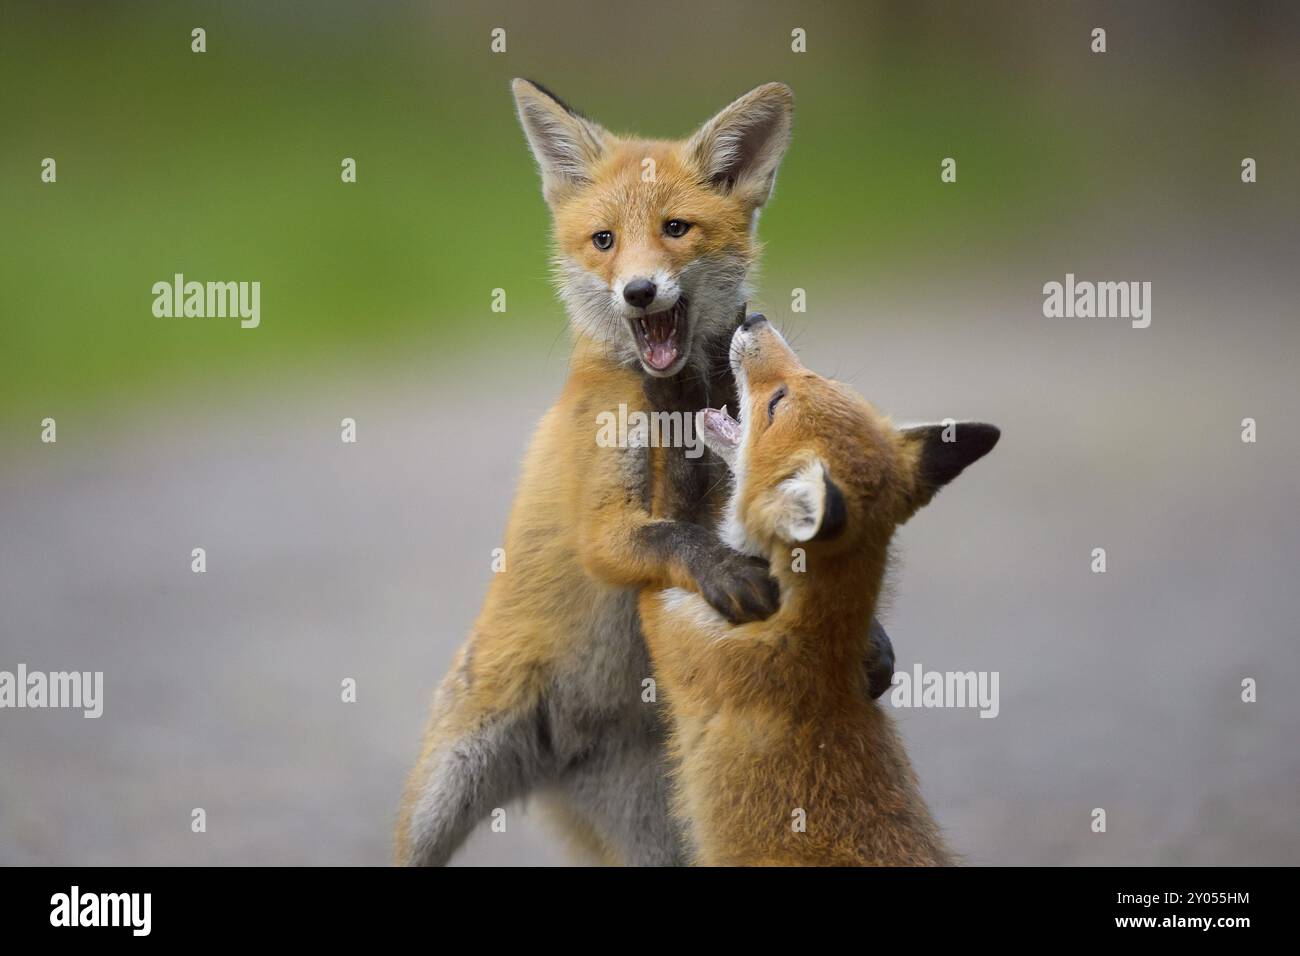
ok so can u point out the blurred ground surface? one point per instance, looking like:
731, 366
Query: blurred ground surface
328, 561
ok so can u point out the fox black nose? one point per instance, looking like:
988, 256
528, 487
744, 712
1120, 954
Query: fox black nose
639, 292
752, 321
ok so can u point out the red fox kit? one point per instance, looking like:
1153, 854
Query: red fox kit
781, 757
653, 243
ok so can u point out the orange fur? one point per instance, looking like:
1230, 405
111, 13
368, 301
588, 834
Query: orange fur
571, 538
771, 719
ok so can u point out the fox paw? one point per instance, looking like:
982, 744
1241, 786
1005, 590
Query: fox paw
740, 588
880, 660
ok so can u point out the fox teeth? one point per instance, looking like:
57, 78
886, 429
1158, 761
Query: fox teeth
723, 411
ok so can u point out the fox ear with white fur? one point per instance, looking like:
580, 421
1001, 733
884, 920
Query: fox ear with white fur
739, 150
808, 505
564, 142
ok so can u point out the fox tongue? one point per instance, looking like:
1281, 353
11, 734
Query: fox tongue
660, 355
722, 426
661, 344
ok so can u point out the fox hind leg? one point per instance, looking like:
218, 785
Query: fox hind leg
464, 777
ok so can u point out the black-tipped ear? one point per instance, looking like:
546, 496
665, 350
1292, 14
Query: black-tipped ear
944, 450
835, 515
740, 148
564, 142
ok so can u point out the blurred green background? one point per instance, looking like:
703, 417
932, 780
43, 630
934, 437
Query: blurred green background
225, 165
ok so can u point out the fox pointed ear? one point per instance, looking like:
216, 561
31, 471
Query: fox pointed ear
943, 451
564, 142
739, 150
809, 506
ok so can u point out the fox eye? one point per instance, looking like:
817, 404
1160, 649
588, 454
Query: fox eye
774, 401
676, 228
603, 239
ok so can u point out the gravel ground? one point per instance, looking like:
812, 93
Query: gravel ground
328, 561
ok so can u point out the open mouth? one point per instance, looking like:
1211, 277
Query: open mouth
722, 434
659, 336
